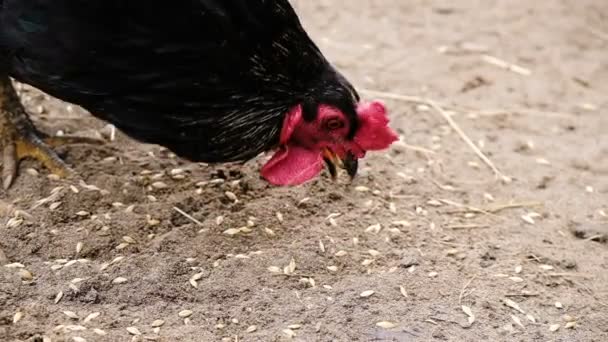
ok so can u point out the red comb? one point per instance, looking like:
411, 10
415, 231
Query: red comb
373, 133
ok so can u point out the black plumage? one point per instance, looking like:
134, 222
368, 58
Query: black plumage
212, 80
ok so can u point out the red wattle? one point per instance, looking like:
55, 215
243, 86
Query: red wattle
292, 165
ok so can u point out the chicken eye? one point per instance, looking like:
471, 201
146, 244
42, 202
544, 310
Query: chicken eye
333, 124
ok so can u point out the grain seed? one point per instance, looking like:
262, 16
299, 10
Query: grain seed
321, 246
231, 196
518, 269
91, 317
528, 219
232, 231
554, 327
26, 275
467, 310
341, 253
185, 313
517, 321
58, 297
129, 239
375, 229
291, 268
402, 223
251, 329
366, 294
17, 317
133, 331
71, 314
559, 305
289, 333
119, 280
332, 268
54, 206
513, 305
32, 172
99, 332
78, 339
75, 328
122, 245
403, 291
74, 288
374, 253
159, 185
386, 325
79, 246
367, 262
157, 323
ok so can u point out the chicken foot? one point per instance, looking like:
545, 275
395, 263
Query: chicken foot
19, 138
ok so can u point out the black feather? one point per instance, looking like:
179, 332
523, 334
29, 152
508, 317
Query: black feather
210, 79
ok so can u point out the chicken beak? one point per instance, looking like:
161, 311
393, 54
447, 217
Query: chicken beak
333, 162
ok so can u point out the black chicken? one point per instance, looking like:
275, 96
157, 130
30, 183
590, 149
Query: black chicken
212, 80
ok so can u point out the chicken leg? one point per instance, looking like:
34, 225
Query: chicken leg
19, 138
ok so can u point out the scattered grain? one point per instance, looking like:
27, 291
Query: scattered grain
99, 332
367, 293
133, 331
517, 321
54, 205
231, 196
71, 314
91, 317
289, 333
157, 323
185, 313
386, 325
17, 317
375, 229
341, 253
58, 297
467, 310
25, 275
119, 280
513, 305
159, 185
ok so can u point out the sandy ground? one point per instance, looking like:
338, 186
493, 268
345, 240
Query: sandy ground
450, 253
